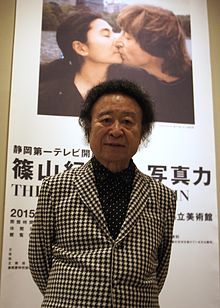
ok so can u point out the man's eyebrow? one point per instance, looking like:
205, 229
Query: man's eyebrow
129, 113
124, 113
106, 112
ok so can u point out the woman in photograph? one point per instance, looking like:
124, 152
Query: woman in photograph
152, 38
87, 44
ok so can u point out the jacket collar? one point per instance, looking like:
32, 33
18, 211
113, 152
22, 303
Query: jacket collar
85, 183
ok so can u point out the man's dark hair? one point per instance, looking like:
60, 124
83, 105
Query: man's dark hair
126, 88
158, 32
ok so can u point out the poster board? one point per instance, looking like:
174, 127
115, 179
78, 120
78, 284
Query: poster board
182, 154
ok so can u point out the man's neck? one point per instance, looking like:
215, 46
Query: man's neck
155, 68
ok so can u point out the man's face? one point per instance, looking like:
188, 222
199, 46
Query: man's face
115, 130
131, 52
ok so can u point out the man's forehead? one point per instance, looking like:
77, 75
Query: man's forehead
113, 102
115, 97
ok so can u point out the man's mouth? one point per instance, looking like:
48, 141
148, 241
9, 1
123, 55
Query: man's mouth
114, 145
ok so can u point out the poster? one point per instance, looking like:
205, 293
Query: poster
180, 154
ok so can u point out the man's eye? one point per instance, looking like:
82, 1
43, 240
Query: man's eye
127, 122
127, 36
106, 121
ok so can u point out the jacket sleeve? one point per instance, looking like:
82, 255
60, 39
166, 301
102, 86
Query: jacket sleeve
41, 238
164, 250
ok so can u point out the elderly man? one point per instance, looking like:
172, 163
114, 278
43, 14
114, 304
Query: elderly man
102, 233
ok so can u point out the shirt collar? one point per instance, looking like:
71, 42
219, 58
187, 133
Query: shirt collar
103, 174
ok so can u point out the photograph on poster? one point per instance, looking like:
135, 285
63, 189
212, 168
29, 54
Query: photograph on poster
180, 155
86, 42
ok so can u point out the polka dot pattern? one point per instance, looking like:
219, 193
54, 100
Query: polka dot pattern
114, 193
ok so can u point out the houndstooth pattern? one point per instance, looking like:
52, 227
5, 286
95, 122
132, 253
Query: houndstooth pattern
73, 258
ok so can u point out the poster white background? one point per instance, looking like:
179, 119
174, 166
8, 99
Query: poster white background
193, 279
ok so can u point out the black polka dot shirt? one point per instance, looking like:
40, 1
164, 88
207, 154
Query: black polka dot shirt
114, 194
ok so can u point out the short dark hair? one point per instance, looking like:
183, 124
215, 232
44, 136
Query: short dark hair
159, 32
126, 88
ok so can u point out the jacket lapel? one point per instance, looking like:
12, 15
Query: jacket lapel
86, 186
137, 203
85, 183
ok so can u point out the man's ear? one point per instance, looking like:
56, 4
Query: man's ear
80, 48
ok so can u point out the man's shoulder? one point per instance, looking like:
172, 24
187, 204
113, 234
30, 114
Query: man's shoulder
63, 183
155, 185
62, 177
70, 174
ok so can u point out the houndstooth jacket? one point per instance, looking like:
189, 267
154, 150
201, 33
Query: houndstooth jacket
73, 258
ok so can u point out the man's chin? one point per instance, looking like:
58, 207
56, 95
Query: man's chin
122, 57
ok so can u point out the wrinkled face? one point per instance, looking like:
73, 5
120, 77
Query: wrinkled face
100, 43
131, 52
115, 130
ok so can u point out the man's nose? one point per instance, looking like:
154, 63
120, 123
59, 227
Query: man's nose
116, 129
